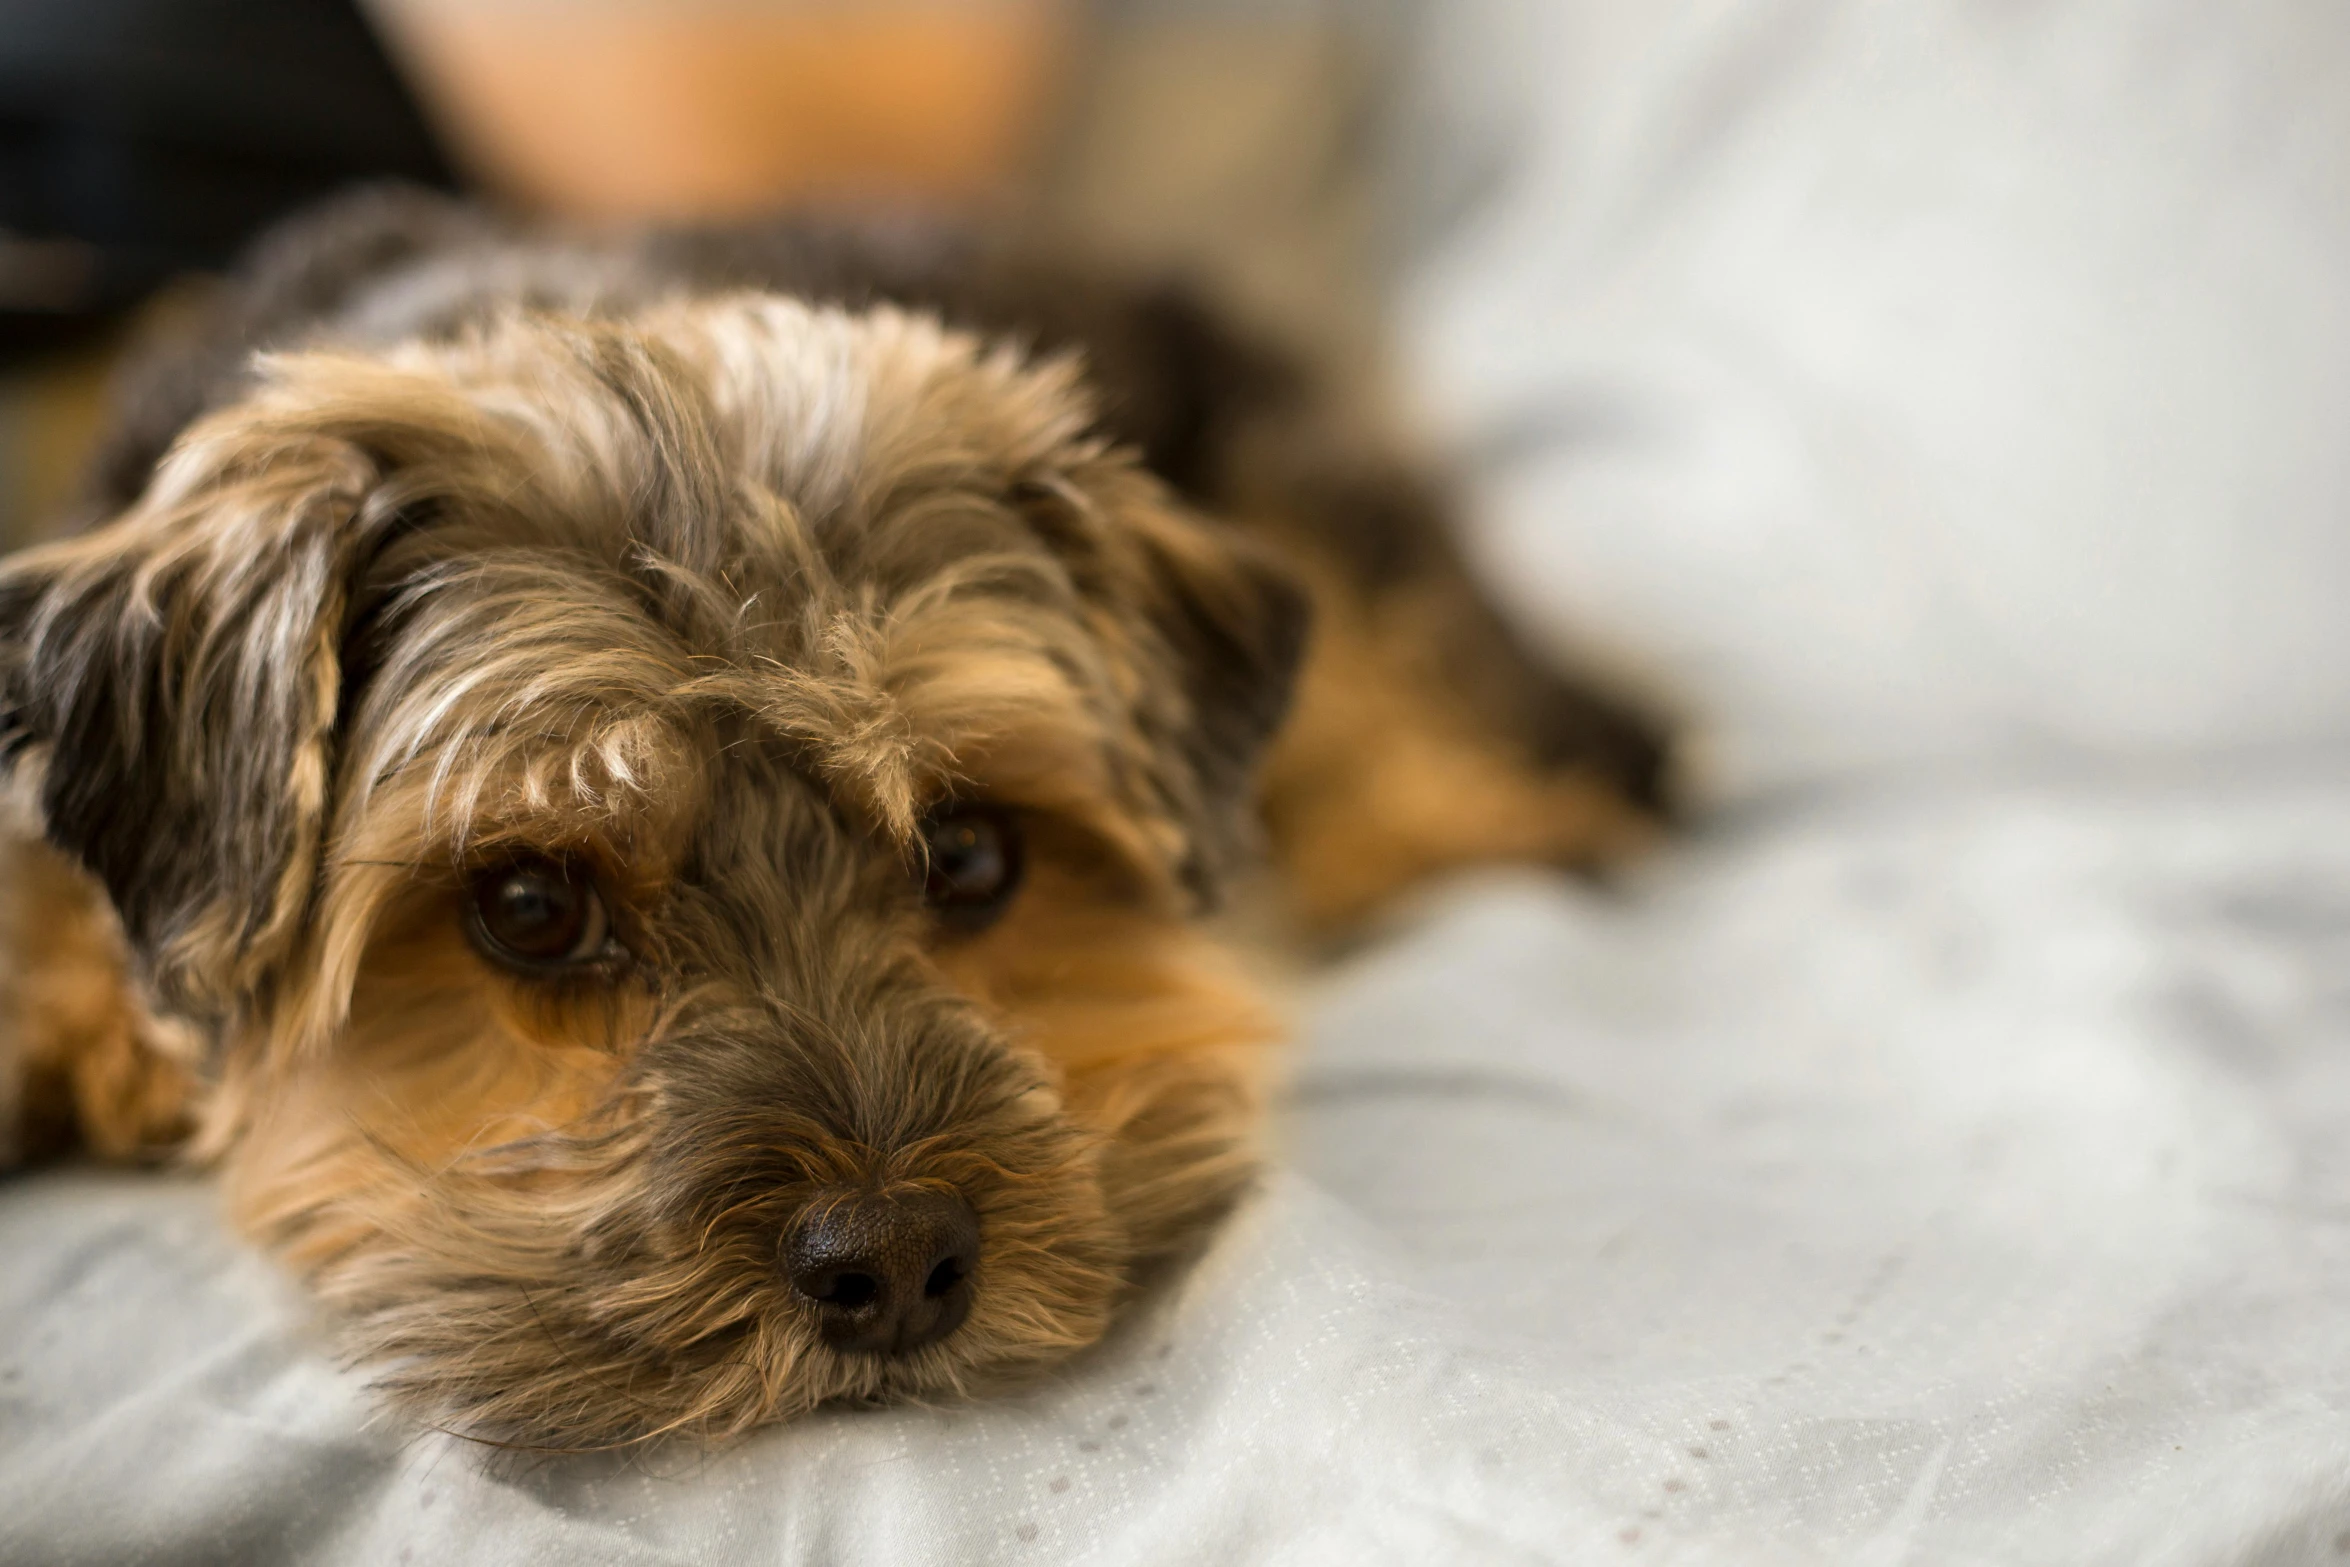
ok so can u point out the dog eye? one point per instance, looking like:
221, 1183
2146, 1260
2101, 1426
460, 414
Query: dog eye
538, 914
973, 863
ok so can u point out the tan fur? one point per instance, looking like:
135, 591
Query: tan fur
1381, 781
740, 569
716, 603
89, 1063
1153, 1032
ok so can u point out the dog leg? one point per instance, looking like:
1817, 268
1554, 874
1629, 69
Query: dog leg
82, 1063
1386, 778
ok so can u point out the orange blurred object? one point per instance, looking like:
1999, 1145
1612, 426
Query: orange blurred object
612, 110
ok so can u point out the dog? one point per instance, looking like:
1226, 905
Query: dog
654, 804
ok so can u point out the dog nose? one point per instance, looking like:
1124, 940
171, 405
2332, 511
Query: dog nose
889, 1271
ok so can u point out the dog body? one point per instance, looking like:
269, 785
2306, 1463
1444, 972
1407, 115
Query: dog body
650, 802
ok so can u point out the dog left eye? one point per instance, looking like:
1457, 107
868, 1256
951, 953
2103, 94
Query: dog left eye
538, 914
973, 862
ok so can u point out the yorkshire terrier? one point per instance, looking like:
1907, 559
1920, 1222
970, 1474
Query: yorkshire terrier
652, 804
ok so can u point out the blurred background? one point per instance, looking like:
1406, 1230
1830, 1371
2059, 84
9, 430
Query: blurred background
1959, 383
142, 141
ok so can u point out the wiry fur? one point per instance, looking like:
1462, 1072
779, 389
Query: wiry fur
1559, 769
718, 600
509, 546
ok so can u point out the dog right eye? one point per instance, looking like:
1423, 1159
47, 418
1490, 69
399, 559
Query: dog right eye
972, 864
539, 915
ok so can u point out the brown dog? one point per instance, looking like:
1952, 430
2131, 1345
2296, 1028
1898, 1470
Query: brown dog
657, 796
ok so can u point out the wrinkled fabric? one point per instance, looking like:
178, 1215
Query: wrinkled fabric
1898, 384
1914, 1177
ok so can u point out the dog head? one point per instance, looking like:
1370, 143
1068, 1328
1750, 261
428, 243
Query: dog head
687, 833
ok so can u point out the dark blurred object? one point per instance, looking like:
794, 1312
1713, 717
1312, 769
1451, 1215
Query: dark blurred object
141, 138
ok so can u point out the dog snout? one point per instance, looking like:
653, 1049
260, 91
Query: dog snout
888, 1271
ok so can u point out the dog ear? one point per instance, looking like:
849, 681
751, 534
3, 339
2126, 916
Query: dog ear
169, 682
1220, 623
1236, 621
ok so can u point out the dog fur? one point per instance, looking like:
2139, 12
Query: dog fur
712, 568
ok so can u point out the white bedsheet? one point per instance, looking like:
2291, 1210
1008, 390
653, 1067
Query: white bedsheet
1951, 1177
1902, 384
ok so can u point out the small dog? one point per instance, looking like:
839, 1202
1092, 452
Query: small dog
651, 803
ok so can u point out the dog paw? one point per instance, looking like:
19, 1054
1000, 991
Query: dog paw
82, 1062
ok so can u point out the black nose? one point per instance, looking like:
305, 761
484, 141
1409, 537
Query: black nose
888, 1271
